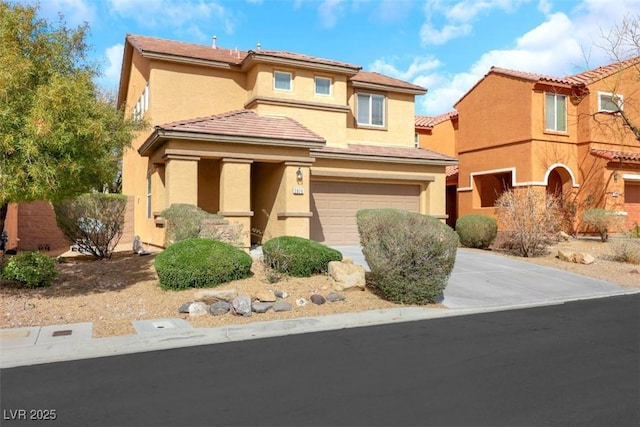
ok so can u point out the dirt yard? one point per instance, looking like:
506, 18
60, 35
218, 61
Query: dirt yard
112, 293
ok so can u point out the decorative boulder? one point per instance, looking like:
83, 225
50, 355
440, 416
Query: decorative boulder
198, 309
279, 306
261, 307
335, 297
345, 275
317, 299
241, 306
219, 308
583, 258
265, 295
565, 255
210, 296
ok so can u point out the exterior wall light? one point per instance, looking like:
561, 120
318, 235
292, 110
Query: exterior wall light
615, 176
299, 176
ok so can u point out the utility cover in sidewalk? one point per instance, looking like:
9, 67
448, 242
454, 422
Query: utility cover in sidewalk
160, 325
55, 334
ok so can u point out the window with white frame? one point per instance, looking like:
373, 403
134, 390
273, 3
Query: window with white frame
322, 85
555, 112
609, 102
149, 195
282, 80
370, 109
142, 105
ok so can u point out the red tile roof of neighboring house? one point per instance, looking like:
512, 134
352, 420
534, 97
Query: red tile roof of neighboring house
431, 121
583, 78
385, 151
623, 156
379, 79
452, 171
577, 80
246, 123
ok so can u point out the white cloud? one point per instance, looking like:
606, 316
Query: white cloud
114, 59
75, 12
329, 11
457, 17
176, 14
561, 45
418, 66
433, 36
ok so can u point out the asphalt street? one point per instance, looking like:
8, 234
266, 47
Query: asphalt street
568, 364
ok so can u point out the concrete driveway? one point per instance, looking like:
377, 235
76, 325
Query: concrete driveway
482, 279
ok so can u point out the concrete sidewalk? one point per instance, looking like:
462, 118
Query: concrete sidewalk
480, 282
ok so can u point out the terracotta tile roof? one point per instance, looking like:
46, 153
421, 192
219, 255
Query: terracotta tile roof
452, 171
623, 156
246, 123
534, 77
186, 50
379, 79
385, 151
585, 78
591, 76
303, 58
431, 121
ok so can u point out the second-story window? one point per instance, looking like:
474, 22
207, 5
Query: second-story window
322, 86
282, 80
609, 102
555, 112
370, 109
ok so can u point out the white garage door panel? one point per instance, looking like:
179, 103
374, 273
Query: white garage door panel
335, 204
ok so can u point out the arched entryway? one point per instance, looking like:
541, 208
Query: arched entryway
559, 180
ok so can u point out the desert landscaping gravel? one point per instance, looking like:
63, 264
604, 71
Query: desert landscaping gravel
112, 293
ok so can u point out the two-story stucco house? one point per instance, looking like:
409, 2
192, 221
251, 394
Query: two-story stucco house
516, 129
279, 142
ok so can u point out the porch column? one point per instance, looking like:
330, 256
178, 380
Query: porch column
295, 213
433, 197
181, 180
235, 195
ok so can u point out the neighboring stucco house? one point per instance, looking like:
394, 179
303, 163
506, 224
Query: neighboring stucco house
279, 142
439, 134
515, 129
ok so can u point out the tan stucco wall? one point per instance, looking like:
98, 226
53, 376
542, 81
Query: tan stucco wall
399, 121
251, 184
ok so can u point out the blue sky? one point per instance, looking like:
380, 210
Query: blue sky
443, 45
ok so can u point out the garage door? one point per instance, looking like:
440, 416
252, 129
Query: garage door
334, 206
632, 203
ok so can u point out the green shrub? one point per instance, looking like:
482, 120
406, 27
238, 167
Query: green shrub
94, 222
298, 257
185, 221
626, 249
410, 256
602, 221
196, 263
32, 269
477, 231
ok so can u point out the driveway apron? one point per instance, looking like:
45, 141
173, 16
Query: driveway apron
482, 279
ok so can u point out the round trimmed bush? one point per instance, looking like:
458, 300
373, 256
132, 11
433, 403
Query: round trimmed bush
410, 256
32, 269
477, 231
297, 256
198, 263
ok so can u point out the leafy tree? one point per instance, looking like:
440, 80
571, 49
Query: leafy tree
60, 136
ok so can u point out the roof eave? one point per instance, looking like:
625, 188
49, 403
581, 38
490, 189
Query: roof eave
256, 57
185, 60
387, 88
160, 136
383, 159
